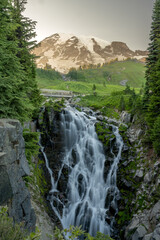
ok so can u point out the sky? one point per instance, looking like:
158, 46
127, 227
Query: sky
128, 21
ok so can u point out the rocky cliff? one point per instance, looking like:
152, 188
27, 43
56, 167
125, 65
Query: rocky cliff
138, 182
13, 167
138, 174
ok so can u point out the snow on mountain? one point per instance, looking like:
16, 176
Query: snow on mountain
64, 51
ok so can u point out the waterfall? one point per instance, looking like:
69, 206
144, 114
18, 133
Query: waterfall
90, 197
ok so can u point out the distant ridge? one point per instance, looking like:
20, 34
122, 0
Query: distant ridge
65, 51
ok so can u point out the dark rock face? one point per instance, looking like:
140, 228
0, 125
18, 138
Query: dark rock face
52, 140
14, 166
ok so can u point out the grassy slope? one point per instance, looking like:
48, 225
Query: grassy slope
130, 70
133, 71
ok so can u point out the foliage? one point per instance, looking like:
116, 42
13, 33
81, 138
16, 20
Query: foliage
155, 135
114, 73
13, 231
24, 33
76, 75
57, 105
122, 104
151, 98
31, 144
12, 102
75, 232
31, 150
18, 89
48, 74
104, 133
109, 74
94, 90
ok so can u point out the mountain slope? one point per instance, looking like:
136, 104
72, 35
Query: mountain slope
64, 51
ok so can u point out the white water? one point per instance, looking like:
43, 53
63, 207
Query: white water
90, 196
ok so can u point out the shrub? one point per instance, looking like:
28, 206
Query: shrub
31, 144
76, 232
13, 231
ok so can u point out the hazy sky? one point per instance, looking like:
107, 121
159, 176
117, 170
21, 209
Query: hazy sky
113, 20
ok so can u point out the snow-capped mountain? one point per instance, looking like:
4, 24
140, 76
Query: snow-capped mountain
64, 51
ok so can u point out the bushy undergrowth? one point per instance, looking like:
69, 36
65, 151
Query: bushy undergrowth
13, 231
36, 180
73, 233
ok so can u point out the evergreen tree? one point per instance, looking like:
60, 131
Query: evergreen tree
122, 104
94, 90
19, 94
13, 100
24, 34
151, 98
152, 88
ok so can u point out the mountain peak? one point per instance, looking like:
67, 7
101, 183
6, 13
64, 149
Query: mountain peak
63, 51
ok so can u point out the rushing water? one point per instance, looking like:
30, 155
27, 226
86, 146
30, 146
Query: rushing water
89, 196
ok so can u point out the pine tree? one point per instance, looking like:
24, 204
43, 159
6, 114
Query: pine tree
13, 100
152, 87
122, 104
24, 34
94, 90
19, 94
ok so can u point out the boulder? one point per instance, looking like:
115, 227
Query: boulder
156, 233
148, 237
125, 117
139, 233
148, 177
139, 175
155, 213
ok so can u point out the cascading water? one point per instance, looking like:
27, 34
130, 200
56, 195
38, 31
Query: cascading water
89, 196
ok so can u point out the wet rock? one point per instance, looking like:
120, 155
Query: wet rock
139, 175
6, 191
113, 121
125, 117
97, 113
125, 148
126, 184
62, 184
125, 164
148, 177
157, 165
100, 118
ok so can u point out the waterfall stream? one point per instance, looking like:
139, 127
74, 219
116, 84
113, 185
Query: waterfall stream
90, 197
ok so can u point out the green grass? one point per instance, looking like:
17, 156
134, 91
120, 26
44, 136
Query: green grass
86, 88
130, 70
106, 79
109, 74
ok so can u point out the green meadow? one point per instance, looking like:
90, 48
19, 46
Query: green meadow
99, 87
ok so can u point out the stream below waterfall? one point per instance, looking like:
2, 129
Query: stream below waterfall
91, 195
